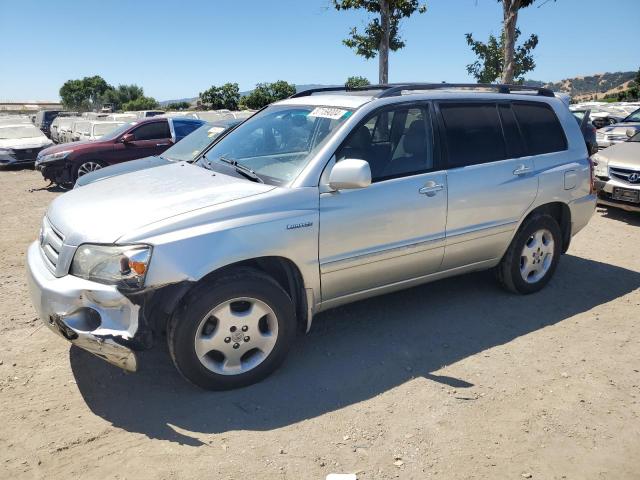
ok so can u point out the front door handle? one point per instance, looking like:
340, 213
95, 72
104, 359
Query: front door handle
521, 170
430, 189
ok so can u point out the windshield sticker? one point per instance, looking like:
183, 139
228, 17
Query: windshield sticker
215, 131
327, 112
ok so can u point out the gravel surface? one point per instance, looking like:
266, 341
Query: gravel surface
455, 380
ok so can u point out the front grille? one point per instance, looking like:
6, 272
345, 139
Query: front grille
50, 244
625, 174
26, 154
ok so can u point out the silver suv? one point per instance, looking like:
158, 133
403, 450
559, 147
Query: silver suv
325, 198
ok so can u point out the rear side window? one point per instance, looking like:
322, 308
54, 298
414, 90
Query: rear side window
183, 128
152, 131
513, 139
473, 133
540, 127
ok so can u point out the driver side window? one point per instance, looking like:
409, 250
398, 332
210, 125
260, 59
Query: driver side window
152, 131
396, 143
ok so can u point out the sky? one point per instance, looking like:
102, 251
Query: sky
178, 48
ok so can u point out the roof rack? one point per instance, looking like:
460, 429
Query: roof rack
396, 89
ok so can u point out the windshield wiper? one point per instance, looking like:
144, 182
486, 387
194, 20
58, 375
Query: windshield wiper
242, 170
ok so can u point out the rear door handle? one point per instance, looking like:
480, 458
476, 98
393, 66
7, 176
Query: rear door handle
521, 170
162, 144
430, 190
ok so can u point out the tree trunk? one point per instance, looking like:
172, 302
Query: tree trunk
510, 12
383, 48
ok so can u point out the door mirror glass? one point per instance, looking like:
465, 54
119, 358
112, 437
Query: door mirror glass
128, 138
350, 173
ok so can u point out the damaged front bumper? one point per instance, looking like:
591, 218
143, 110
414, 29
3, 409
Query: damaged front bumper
93, 316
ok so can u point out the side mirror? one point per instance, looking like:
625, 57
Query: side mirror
350, 174
631, 132
128, 138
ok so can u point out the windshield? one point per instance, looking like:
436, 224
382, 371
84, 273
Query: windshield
193, 144
278, 142
634, 117
118, 131
100, 129
19, 131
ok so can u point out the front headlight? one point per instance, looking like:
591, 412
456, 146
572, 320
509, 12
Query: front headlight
122, 265
53, 157
600, 166
5, 151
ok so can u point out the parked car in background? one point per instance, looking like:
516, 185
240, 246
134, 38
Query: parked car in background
617, 171
44, 118
121, 117
588, 130
63, 164
55, 125
20, 143
79, 127
189, 149
149, 113
95, 130
316, 201
65, 125
617, 133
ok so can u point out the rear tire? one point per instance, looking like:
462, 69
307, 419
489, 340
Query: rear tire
233, 331
533, 255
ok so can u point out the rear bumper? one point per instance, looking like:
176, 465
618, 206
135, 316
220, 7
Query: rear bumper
582, 210
95, 317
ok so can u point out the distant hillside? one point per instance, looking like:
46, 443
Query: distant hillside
592, 86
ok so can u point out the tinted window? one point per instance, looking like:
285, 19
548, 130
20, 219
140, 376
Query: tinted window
512, 136
473, 133
183, 128
395, 143
152, 131
540, 127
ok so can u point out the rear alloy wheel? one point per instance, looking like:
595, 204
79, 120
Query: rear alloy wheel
232, 331
88, 167
533, 255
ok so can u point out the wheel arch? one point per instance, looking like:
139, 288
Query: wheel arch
561, 212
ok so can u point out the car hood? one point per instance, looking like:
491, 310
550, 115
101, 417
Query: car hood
623, 155
63, 147
104, 211
121, 168
31, 142
620, 128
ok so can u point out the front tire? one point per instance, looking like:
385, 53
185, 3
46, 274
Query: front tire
87, 166
533, 255
233, 331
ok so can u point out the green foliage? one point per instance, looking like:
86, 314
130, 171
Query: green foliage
356, 81
266, 93
178, 106
366, 44
84, 94
140, 103
121, 95
226, 96
490, 63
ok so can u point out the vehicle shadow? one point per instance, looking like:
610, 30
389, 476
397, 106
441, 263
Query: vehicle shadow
630, 218
353, 353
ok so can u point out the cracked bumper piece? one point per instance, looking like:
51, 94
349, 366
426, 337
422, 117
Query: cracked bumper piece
93, 316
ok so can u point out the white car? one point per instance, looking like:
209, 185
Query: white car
20, 143
95, 130
617, 133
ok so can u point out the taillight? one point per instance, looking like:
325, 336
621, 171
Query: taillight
592, 177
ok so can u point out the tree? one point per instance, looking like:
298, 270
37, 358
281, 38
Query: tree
266, 93
140, 103
85, 93
178, 106
121, 95
381, 34
489, 66
226, 96
356, 81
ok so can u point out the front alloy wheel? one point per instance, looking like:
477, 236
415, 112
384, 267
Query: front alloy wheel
88, 167
232, 331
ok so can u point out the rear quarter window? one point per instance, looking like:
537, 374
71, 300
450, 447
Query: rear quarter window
540, 127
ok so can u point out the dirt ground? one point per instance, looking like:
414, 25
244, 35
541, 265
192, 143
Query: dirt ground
454, 380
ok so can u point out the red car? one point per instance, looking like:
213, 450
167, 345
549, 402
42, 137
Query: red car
64, 163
